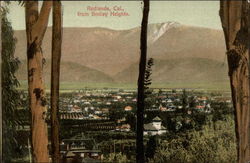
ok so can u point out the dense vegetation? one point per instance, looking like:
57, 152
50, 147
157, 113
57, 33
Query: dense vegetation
200, 136
215, 143
10, 96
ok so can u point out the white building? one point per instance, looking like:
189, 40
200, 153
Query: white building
155, 127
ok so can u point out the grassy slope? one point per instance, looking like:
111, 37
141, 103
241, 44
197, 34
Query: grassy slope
72, 86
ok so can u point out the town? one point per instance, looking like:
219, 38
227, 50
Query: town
102, 116
98, 104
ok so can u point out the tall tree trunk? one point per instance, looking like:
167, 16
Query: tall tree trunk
55, 77
36, 25
141, 79
1, 109
235, 21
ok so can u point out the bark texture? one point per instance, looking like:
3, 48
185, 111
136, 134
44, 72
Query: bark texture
141, 80
235, 23
1, 111
55, 77
36, 25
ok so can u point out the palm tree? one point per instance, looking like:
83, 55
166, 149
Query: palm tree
55, 77
141, 82
235, 22
36, 25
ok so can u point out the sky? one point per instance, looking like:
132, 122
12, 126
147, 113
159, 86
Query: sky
79, 14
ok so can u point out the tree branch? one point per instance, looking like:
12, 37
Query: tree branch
40, 27
31, 16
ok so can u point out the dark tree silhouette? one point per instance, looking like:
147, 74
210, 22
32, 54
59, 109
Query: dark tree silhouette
184, 100
55, 78
151, 147
148, 73
141, 79
148, 81
235, 22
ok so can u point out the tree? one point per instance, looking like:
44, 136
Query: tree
36, 25
184, 100
141, 80
192, 103
151, 147
148, 73
131, 120
1, 117
55, 77
210, 145
148, 81
9, 83
235, 22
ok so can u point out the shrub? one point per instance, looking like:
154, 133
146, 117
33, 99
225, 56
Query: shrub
213, 144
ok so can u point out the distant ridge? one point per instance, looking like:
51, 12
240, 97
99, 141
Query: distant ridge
70, 72
190, 70
111, 53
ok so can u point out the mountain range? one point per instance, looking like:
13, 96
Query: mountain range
181, 53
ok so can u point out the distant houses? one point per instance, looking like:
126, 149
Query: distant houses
128, 108
155, 127
80, 149
81, 116
106, 109
123, 128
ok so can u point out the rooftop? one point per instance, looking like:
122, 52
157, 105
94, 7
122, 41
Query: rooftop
151, 127
157, 119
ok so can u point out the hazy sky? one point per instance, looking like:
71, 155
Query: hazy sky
195, 13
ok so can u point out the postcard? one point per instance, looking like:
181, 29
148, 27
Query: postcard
125, 81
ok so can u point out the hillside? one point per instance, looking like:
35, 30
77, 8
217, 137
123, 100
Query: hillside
70, 72
112, 51
186, 70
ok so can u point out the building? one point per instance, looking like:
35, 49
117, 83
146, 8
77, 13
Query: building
155, 127
80, 149
123, 127
128, 108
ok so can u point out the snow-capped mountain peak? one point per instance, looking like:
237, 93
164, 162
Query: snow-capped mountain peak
155, 31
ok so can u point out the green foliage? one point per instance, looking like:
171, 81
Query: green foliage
115, 115
213, 144
192, 103
184, 99
171, 151
116, 157
10, 96
221, 110
151, 147
148, 73
131, 120
147, 83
